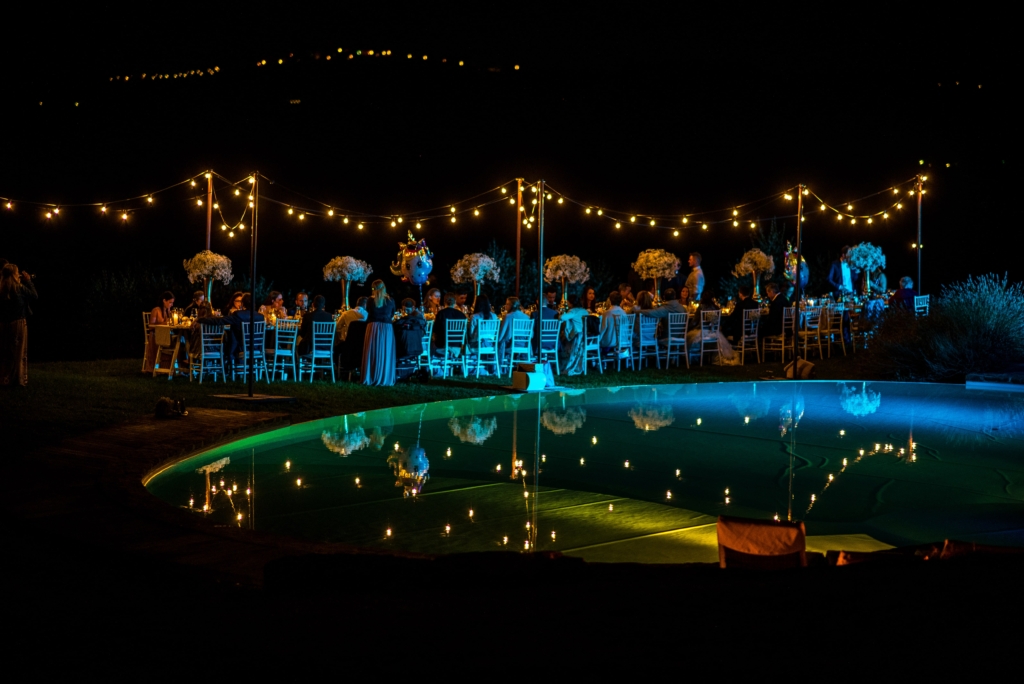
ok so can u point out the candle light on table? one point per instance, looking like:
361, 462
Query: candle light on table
298, 482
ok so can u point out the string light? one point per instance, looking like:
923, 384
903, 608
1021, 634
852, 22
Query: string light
330, 212
345, 220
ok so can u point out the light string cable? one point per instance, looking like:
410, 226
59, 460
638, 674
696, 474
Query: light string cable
10, 203
846, 211
469, 205
247, 198
736, 213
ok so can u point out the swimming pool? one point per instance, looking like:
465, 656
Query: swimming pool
631, 473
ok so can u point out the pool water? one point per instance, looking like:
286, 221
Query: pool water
631, 473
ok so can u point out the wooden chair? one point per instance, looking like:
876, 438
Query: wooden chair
454, 352
487, 345
210, 355
782, 342
241, 364
832, 327
549, 332
591, 350
922, 305
166, 346
675, 341
710, 323
147, 331
810, 332
647, 341
425, 360
282, 355
321, 354
761, 544
520, 345
622, 350
748, 337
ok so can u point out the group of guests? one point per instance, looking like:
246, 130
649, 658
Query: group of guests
17, 293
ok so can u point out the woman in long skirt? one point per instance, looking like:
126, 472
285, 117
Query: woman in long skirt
16, 293
379, 361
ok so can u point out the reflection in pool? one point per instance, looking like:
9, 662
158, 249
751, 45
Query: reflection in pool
631, 473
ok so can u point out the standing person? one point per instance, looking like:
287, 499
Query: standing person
842, 276
16, 291
695, 281
379, 361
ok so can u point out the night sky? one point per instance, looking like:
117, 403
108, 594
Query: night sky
635, 110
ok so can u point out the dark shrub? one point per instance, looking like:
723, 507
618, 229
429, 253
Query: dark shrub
975, 326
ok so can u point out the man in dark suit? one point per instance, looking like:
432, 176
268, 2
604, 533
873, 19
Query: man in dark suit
732, 325
315, 315
548, 311
772, 325
842, 277
449, 312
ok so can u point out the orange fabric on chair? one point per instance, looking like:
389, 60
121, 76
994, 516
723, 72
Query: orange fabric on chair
743, 540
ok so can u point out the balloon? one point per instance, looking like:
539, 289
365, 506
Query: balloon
414, 261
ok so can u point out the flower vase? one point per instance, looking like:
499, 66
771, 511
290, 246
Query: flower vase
867, 284
757, 287
208, 288
344, 294
476, 292
657, 292
562, 305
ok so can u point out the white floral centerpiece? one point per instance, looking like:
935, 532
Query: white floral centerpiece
473, 429
208, 266
860, 402
656, 263
567, 269
866, 257
345, 443
476, 267
565, 422
755, 263
347, 269
652, 417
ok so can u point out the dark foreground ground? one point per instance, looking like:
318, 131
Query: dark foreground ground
102, 578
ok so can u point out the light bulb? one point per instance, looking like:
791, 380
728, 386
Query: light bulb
618, 225
588, 210
849, 207
224, 226
549, 195
885, 216
149, 199
393, 224
49, 215
632, 219
600, 212
504, 191
290, 211
871, 220
899, 206
102, 209
388, 532
199, 203
823, 207
735, 223
559, 200
453, 219
735, 212
216, 205
705, 226
302, 217
675, 233
652, 223
685, 220
237, 191
806, 192
852, 221
476, 212
345, 220
453, 210
124, 216
298, 482
511, 200
401, 220
418, 225
360, 226
330, 212
753, 225
786, 196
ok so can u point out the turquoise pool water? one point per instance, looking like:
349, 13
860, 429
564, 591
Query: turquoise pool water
631, 473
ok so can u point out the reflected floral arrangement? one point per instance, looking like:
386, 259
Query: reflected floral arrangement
651, 417
564, 422
345, 443
751, 406
411, 469
860, 402
473, 429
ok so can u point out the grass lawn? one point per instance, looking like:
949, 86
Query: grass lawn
70, 398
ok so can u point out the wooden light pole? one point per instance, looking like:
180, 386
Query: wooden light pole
920, 185
796, 280
519, 227
540, 264
251, 355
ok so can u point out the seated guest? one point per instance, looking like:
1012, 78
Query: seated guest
199, 308
904, 297
628, 300
460, 298
550, 299
878, 282
235, 304
432, 302
274, 304
316, 315
357, 313
513, 312
671, 305
449, 312
589, 300
409, 330
732, 325
645, 300
772, 324
609, 321
244, 314
161, 315
481, 312
301, 304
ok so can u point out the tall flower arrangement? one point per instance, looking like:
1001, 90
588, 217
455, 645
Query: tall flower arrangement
567, 269
866, 257
754, 263
476, 267
346, 269
656, 263
208, 266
